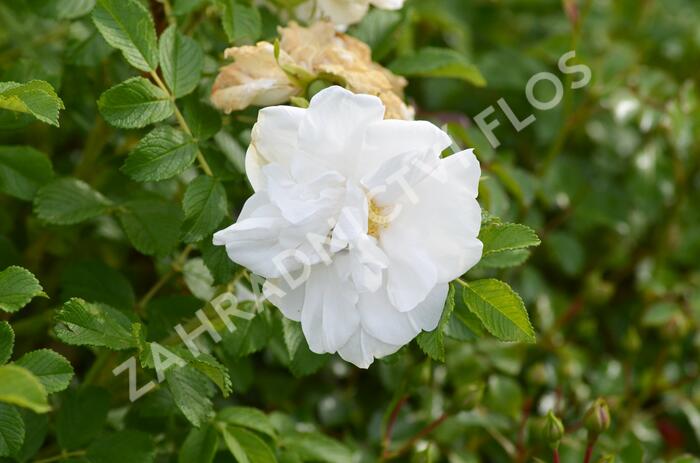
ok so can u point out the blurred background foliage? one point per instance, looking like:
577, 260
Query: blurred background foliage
608, 178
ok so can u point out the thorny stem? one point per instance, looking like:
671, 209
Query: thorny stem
182, 122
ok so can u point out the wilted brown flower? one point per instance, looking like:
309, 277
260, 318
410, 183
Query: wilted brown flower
257, 78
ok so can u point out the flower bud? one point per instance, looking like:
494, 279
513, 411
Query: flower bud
316, 86
598, 417
552, 430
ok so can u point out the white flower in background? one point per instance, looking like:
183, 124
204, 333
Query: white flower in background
356, 222
346, 12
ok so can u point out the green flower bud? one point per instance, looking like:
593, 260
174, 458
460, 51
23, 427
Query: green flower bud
598, 417
552, 430
316, 86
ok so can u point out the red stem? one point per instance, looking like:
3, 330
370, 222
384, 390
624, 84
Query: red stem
556, 455
589, 451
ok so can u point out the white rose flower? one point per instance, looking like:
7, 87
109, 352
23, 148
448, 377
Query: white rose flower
357, 222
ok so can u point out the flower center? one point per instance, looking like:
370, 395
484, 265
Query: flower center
376, 219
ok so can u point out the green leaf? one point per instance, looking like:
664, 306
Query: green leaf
317, 447
204, 206
18, 287
438, 62
97, 282
135, 103
36, 427
500, 309
36, 97
191, 391
7, 342
433, 342
80, 323
234, 446
20, 387
181, 60
62, 9
11, 430
81, 417
164, 153
152, 225
256, 450
217, 261
52, 369
203, 120
499, 237
250, 336
247, 417
68, 201
128, 26
378, 30
505, 259
241, 22
505, 244
301, 361
23, 170
200, 445
121, 447
198, 279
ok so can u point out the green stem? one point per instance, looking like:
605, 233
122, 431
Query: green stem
62, 456
175, 267
182, 122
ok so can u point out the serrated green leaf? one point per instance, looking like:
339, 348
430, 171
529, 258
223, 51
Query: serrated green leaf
23, 170
135, 103
18, 286
198, 279
36, 97
81, 417
51, 368
500, 237
433, 342
152, 225
247, 417
128, 26
204, 206
181, 60
20, 387
241, 22
62, 9
210, 367
7, 342
255, 449
121, 447
200, 445
505, 259
164, 153
11, 430
438, 62
316, 447
68, 201
82, 323
300, 360
500, 309
191, 391
250, 336
97, 282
